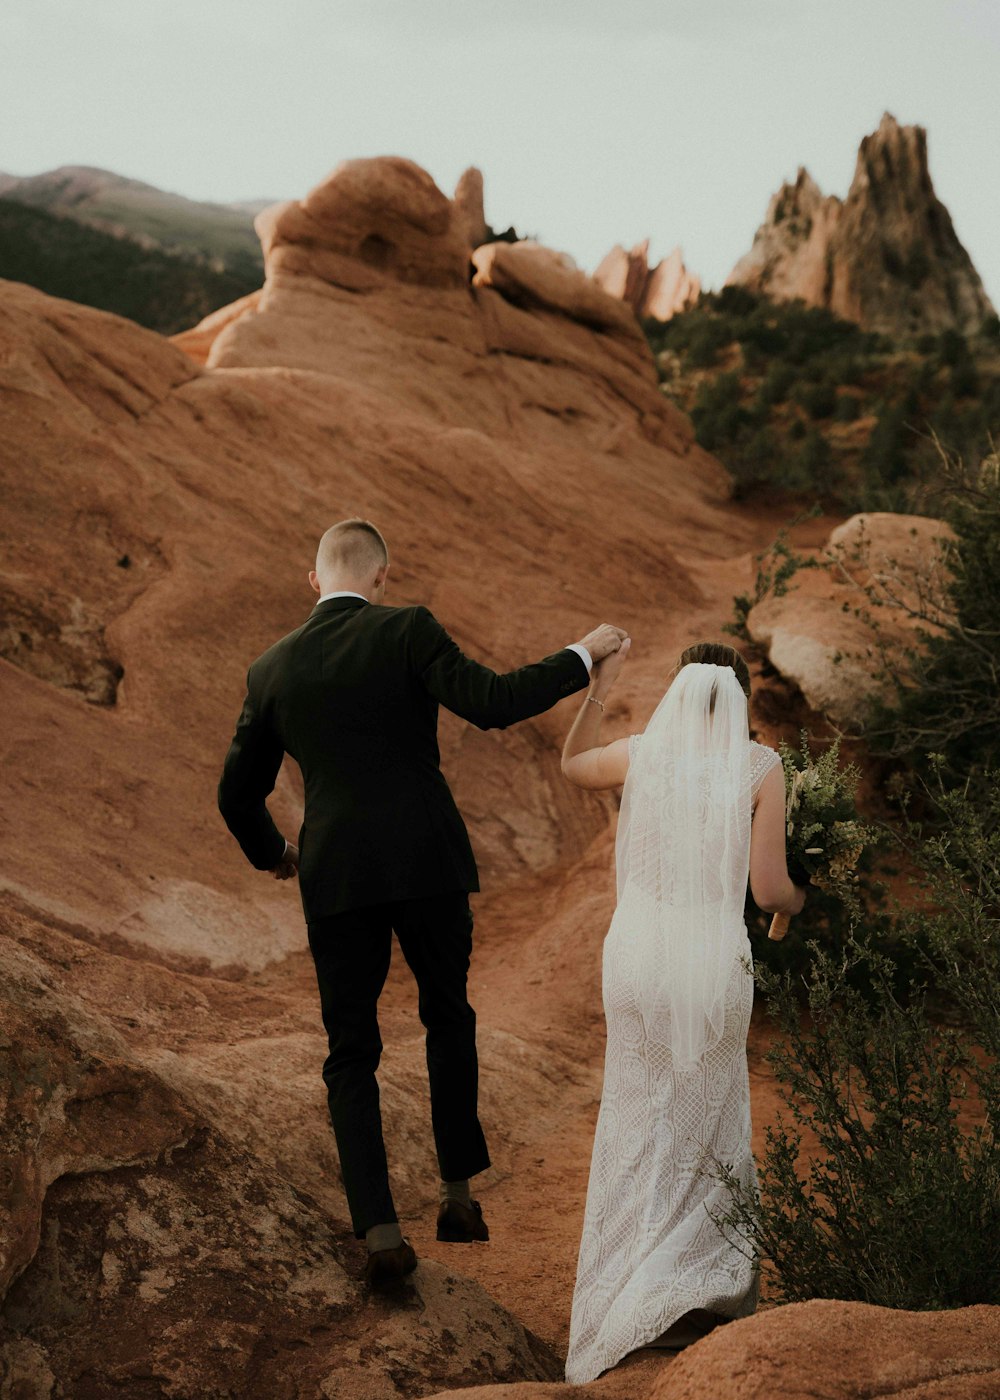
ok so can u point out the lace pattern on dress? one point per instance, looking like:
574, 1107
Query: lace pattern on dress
650, 1249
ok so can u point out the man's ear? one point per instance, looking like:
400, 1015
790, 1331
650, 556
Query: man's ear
381, 576
314, 582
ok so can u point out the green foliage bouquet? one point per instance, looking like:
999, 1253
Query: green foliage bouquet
825, 836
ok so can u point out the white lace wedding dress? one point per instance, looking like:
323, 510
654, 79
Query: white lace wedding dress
650, 1251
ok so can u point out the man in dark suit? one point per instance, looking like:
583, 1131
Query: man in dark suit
353, 695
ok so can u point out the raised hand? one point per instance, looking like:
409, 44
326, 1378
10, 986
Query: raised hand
606, 670
603, 640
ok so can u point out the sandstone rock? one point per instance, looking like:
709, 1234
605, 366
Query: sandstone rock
841, 1351
532, 276
143, 1244
166, 1039
368, 220
670, 288
790, 256
469, 211
660, 292
887, 257
820, 634
198, 341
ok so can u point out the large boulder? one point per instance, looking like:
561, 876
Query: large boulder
887, 256
824, 633
842, 1351
140, 1245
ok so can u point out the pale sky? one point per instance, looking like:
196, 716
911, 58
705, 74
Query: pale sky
594, 121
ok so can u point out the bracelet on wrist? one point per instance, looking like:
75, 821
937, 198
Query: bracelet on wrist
593, 700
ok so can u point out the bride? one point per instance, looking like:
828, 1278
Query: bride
703, 810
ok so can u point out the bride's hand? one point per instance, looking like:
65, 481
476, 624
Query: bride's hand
605, 673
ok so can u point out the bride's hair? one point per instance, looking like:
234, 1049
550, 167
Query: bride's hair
718, 654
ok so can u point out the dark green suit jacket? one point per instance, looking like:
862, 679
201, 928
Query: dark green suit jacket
353, 696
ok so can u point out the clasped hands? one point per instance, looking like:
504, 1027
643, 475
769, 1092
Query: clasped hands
608, 646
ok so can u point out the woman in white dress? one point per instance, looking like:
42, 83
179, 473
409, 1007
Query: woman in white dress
703, 811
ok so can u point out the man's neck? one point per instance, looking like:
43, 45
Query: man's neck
341, 592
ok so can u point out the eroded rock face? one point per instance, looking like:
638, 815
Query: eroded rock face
143, 1251
163, 1076
887, 256
841, 1351
826, 637
661, 291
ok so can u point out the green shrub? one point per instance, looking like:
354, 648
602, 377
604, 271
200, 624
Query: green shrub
944, 693
706, 340
777, 382
717, 415
819, 400
952, 348
847, 409
963, 380
898, 1204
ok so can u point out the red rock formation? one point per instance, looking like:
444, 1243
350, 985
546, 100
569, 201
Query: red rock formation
887, 257
670, 288
468, 202
173, 1218
660, 292
159, 521
841, 1351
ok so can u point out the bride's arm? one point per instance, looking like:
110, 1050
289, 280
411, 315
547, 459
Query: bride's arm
585, 760
770, 885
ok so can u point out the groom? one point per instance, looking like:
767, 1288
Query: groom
352, 695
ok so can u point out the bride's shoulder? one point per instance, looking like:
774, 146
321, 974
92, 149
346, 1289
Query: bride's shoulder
762, 759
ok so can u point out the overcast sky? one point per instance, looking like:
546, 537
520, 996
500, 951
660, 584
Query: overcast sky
594, 121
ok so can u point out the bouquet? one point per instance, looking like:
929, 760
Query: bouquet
825, 836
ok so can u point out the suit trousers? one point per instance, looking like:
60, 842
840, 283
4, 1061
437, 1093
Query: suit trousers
352, 951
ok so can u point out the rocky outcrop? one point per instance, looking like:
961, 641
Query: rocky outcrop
469, 210
161, 1109
887, 256
842, 1351
790, 256
139, 1245
827, 637
378, 245
660, 292
198, 340
537, 278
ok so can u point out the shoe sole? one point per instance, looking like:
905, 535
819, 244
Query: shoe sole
382, 1281
457, 1237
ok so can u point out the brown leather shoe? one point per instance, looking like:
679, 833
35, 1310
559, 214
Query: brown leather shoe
458, 1224
387, 1266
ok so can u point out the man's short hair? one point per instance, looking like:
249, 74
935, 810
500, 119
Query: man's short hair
352, 546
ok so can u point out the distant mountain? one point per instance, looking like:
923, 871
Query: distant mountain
66, 258
221, 235
886, 257
251, 206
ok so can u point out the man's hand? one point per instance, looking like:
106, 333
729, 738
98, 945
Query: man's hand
603, 641
288, 864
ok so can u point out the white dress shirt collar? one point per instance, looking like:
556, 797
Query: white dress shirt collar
342, 593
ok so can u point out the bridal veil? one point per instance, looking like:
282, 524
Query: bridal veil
682, 857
